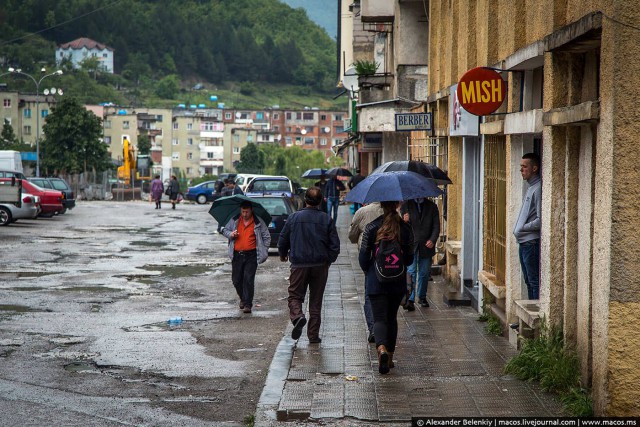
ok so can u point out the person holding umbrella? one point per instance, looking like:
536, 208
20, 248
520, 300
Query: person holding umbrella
332, 194
424, 218
355, 180
385, 293
249, 241
386, 250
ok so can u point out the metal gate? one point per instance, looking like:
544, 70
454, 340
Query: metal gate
495, 206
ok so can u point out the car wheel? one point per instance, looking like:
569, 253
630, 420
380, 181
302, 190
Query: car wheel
201, 199
5, 216
62, 211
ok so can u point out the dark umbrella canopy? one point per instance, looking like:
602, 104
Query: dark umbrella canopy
434, 173
339, 172
314, 173
225, 208
393, 186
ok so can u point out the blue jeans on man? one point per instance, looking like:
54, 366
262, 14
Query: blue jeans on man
530, 262
419, 270
332, 208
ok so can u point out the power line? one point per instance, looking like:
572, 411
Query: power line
62, 23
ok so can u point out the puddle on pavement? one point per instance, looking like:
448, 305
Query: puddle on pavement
25, 289
176, 271
19, 308
83, 366
88, 289
154, 244
23, 274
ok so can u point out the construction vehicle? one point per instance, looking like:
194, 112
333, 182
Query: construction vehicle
134, 175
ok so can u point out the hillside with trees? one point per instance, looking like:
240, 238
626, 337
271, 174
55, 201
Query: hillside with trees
164, 46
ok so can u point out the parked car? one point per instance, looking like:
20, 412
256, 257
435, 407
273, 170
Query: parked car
276, 185
29, 209
59, 184
50, 200
11, 173
243, 180
203, 192
279, 208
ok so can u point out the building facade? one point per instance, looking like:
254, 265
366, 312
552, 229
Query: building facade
83, 48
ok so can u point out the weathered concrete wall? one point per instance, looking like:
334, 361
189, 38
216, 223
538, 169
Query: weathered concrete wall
616, 220
411, 34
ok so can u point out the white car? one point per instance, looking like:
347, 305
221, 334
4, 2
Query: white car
29, 210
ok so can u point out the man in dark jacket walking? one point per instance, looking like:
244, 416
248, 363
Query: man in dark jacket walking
309, 240
424, 218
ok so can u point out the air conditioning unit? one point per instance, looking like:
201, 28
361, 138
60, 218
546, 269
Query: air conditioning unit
347, 125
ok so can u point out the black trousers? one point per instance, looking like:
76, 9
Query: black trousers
243, 274
385, 319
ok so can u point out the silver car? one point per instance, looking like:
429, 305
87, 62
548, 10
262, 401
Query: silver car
29, 210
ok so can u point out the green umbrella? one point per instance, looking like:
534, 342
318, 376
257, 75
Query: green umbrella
225, 208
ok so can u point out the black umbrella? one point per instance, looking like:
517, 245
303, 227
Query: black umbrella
226, 208
314, 173
339, 172
434, 173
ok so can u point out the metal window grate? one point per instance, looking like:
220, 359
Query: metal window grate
432, 150
495, 188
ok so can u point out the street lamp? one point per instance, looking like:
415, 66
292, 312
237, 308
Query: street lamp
37, 83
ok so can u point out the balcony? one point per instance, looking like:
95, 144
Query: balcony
378, 11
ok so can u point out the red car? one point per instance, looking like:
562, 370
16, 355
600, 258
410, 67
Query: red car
50, 200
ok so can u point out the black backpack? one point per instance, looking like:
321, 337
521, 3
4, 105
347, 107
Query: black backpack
388, 261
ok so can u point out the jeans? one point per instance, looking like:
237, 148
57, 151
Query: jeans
243, 275
420, 269
385, 316
332, 208
530, 263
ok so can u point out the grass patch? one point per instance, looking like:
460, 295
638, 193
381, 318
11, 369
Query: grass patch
547, 360
249, 420
493, 326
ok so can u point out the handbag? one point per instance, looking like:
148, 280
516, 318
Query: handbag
168, 191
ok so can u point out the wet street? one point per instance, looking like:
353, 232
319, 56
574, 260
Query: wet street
85, 300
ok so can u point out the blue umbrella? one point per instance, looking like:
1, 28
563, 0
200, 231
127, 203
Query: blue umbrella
314, 173
393, 186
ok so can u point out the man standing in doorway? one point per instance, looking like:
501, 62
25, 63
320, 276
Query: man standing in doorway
527, 227
310, 241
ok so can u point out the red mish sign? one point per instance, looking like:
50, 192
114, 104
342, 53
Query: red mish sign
481, 91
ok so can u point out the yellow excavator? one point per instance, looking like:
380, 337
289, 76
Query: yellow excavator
130, 170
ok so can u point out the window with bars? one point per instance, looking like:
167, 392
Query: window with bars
495, 206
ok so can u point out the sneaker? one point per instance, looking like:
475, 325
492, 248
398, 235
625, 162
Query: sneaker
410, 306
246, 309
371, 338
298, 324
424, 303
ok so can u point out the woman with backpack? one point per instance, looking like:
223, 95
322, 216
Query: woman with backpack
384, 256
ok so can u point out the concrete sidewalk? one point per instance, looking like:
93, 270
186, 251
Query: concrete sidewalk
446, 365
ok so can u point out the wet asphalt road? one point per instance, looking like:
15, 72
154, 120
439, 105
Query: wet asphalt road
84, 303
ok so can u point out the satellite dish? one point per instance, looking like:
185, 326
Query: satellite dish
46, 92
303, 131
350, 79
327, 130
238, 115
53, 91
59, 91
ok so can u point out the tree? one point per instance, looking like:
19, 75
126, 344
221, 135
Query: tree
168, 86
144, 144
251, 160
72, 140
8, 137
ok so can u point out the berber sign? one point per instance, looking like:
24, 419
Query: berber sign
481, 91
413, 121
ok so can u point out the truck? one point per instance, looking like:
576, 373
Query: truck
135, 170
10, 160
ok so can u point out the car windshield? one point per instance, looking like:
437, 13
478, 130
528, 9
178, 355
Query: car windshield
274, 205
59, 185
279, 185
